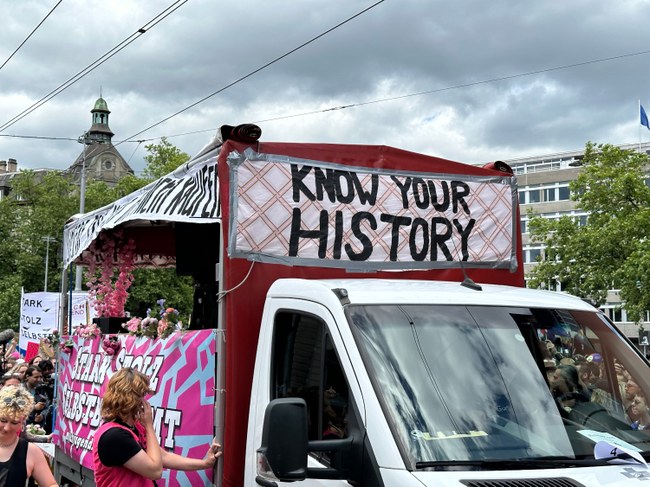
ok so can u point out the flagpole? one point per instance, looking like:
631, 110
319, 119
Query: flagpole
639, 125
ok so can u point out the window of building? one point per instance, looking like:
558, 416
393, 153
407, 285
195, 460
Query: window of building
522, 197
549, 194
564, 194
617, 315
534, 196
532, 255
523, 226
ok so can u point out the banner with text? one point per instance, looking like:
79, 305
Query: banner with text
39, 315
313, 213
188, 194
81, 312
181, 369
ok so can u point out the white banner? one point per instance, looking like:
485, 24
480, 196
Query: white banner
39, 314
189, 194
82, 312
314, 213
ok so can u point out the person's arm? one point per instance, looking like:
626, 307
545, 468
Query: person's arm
147, 463
178, 462
38, 467
37, 438
10, 349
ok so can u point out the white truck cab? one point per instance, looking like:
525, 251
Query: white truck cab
380, 382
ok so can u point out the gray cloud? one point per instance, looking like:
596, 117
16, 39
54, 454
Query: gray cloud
397, 48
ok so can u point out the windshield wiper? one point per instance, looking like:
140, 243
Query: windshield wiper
518, 463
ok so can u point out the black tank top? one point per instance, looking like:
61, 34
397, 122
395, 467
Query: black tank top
14, 471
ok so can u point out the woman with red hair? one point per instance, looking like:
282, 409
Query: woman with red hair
125, 447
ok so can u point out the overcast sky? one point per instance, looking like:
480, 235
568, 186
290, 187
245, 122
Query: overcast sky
488, 68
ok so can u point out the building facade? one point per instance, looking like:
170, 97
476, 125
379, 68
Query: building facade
543, 184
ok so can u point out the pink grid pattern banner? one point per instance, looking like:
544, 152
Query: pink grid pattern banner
337, 213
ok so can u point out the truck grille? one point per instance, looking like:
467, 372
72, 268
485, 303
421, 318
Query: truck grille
554, 482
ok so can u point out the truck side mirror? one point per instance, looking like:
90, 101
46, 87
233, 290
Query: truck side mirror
283, 453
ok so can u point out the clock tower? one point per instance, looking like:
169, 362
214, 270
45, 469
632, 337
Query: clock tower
99, 159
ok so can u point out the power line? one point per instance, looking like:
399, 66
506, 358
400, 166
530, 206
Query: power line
463, 85
37, 137
133, 153
381, 100
32, 32
257, 70
421, 93
95, 64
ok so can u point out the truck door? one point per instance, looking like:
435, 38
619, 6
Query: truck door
306, 363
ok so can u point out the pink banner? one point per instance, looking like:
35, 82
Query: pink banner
181, 369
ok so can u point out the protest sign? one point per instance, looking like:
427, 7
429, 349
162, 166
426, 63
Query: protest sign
324, 214
39, 314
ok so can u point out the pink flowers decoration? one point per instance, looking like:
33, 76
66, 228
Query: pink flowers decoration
110, 273
159, 323
111, 345
66, 345
87, 331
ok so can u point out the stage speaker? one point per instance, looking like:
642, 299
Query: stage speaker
204, 309
197, 250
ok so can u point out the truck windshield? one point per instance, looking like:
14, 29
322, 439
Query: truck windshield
462, 383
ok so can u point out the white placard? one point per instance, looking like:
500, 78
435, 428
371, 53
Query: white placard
39, 315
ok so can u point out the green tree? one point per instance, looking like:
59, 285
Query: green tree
10, 301
610, 251
38, 207
162, 159
150, 285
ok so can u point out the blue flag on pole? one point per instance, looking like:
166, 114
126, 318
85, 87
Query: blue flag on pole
644, 118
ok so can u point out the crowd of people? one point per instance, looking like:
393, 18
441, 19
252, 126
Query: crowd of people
125, 448
576, 378
37, 377
26, 407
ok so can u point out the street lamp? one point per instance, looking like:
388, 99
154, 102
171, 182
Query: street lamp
47, 241
86, 139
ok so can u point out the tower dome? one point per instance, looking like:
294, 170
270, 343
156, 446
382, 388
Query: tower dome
100, 131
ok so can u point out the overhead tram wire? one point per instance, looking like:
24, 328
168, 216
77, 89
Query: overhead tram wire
420, 93
256, 70
40, 137
95, 64
456, 87
370, 102
31, 33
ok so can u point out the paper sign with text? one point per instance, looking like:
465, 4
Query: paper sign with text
39, 314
